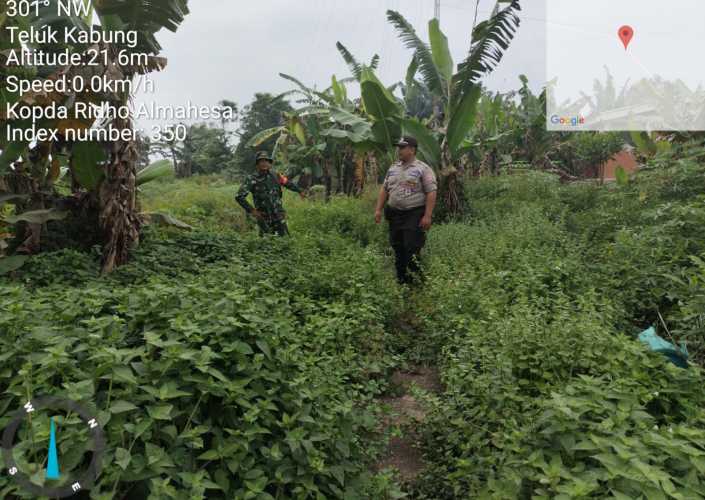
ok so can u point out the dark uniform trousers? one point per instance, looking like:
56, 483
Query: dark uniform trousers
407, 239
272, 225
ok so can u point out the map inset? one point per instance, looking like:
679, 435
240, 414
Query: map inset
625, 65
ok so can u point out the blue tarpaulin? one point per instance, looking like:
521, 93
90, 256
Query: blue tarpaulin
677, 355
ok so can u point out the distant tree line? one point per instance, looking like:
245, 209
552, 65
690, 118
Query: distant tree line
212, 148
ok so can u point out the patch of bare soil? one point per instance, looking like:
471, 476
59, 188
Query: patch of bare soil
406, 413
424, 377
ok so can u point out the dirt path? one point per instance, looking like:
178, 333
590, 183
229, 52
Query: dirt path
406, 414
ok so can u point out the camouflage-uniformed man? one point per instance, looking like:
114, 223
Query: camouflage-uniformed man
266, 188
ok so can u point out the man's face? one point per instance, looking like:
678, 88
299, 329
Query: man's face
406, 153
263, 166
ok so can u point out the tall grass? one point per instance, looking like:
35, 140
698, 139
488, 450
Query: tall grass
205, 201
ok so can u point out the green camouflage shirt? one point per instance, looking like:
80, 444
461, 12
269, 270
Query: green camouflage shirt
266, 192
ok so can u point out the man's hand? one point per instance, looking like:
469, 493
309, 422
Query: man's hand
257, 214
302, 195
426, 222
378, 216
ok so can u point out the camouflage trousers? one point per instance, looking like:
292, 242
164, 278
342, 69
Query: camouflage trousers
273, 226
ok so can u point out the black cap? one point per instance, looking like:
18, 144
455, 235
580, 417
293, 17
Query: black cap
407, 140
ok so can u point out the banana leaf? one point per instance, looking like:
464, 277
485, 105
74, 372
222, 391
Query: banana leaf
377, 99
11, 197
387, 133
339, 91
37, 216
164, 219
154, 171
13, 263
429, 149
299, 132
440, 50
348, 119
462, 120
264, 136
87, 160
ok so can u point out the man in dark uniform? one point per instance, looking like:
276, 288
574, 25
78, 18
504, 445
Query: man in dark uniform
410, 187
266, 188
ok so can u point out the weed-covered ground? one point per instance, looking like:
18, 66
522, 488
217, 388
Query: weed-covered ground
223, 365
220, 365
532, 311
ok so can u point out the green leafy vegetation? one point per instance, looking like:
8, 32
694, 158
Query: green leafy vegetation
532, 311
214, 361
229, 366
223, 365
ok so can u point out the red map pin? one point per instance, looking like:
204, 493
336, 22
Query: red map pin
626, 33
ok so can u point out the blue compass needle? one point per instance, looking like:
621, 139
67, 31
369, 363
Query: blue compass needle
53, 462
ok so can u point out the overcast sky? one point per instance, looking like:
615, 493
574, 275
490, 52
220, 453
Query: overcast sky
230, 49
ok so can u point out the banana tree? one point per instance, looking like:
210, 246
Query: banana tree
418, 99
366, 130
107, 171
351, 130
293, 127
355, 66
509, 128
327, 134
374, 148
442, 140
353, 133
382, 109
298, 142
351, 127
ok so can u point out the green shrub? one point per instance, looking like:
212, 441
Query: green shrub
532, 312
688, 289
252, 362
349, 217
584, 152
219, 364
495, 196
